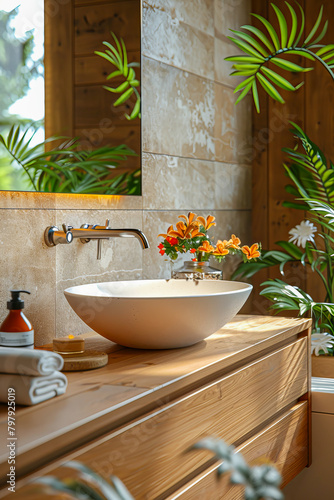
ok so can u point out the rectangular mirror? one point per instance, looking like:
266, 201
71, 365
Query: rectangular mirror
83, 135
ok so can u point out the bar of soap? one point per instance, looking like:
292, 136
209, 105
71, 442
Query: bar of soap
68, 345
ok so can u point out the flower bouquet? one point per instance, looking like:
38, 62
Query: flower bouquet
191, 236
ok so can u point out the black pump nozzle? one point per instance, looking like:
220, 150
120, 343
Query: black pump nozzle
16, 302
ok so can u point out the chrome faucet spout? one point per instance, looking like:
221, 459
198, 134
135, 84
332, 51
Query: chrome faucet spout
102, 232
86, 232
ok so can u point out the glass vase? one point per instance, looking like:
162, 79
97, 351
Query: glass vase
197, 271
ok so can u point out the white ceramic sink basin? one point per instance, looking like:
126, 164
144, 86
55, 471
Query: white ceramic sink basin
157, 314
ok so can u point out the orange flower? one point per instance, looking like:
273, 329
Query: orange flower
208, 222
234, 242
221, 248
191, 219
182, 231
252, 252
206, 247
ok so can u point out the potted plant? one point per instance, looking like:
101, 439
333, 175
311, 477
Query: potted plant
311, 175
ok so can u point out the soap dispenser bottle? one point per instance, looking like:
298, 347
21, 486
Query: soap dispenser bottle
16, 330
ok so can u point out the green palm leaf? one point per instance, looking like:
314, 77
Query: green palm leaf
277, 79
243, 84
270, 29
261, 36
117, 56
269, 88
315, 27
256, 44
251, 41
294, 25
246, 47
288, 65
310, 172
256, 96
244, 92
282, 25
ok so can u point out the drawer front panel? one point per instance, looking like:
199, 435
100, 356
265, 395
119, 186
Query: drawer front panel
149, 454
283, 443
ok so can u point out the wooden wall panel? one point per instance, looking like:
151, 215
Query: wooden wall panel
58, 67
93, 24
93, 69
310, 107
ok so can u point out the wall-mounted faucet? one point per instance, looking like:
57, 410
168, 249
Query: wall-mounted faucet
53, 236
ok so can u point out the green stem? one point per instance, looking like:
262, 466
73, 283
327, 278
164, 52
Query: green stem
319, 59
302, 49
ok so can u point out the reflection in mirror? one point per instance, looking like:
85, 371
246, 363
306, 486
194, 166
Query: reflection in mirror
92, 140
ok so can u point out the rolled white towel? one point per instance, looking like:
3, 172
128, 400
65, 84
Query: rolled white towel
32, 390
29, 361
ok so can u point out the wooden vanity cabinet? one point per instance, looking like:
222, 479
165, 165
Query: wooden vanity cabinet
248, 384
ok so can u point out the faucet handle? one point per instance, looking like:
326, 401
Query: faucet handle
66, 228
99, 242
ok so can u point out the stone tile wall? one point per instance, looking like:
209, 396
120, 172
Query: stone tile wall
196, 156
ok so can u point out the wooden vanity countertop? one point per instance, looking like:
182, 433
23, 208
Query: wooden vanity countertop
133, 383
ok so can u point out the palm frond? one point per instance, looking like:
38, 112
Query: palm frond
67, 168
273, 46
312, 175
118, 57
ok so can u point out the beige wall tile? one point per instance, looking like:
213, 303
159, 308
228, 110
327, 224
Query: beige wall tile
98, 202
184, 183
23, 199
231, 14
197, 13
29, 200
232, 186
223, 48
77, 263
27, 264
233, 127
178, 112
170, 40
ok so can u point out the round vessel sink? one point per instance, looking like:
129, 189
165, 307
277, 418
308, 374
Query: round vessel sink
157, 314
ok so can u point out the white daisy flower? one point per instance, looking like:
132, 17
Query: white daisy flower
321, 341
302, 233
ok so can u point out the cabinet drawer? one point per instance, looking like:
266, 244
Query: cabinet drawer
150, 454
283, 443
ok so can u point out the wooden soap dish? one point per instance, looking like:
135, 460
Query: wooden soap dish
88, 360
76, 358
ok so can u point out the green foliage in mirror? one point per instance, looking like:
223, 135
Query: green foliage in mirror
270, 46
117, 56
66, 168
